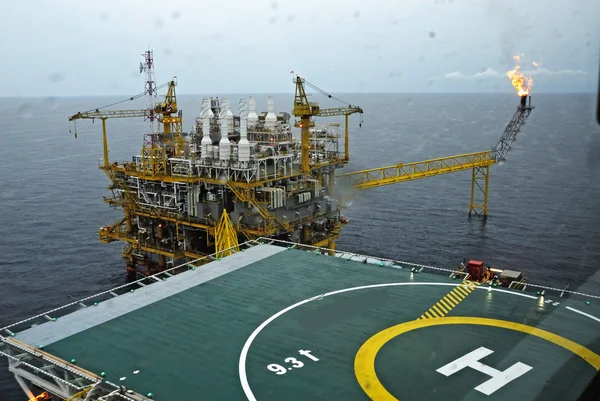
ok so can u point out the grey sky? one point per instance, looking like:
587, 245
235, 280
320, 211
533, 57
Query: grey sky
72, 48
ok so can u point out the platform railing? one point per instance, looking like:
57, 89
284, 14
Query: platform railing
394, 263
40, 358
416, 267
560, 291
23, 367
113, 292
163, 275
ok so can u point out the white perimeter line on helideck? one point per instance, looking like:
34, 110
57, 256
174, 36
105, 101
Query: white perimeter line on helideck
244, 353
583, 313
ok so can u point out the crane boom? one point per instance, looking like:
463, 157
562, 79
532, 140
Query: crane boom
172, 123
97, 114
479, 162
103, 115
338, 111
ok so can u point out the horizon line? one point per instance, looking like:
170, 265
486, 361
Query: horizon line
220, 94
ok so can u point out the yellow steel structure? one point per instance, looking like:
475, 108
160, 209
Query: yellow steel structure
172, 124
478, 162
103, 115
223, 234
480, 182
305, 110
226, 238
380, 176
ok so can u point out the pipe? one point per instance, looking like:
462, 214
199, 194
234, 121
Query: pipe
523, 101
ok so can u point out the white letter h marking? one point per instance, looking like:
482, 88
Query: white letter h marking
498, 380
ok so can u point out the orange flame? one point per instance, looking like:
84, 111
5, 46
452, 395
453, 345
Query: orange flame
521, 83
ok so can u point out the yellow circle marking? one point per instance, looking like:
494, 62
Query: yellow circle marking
364, 363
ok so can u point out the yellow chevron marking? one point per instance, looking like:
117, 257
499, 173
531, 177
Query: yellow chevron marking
437, 310
449, 301
445, 304
453, 298
442, 308
462, 291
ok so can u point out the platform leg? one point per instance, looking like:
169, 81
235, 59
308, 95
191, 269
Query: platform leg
331, 246
480, 179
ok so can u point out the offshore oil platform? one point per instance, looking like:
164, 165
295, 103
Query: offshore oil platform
239, 177
265, 307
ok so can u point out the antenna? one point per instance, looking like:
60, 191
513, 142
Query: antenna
141, 67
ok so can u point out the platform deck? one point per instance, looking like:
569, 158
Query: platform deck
371, 332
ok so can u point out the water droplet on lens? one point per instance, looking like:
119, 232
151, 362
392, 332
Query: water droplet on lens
432, 34
356, 14
55, 77
274, 5
175, 14
25, 111
52, 103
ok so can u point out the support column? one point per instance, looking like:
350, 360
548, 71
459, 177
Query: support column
305, 123
306, 233
331, 246
346, 144
104, 143
128, 225
480, 178
162, 259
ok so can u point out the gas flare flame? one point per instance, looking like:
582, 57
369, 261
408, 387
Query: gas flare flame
521, 82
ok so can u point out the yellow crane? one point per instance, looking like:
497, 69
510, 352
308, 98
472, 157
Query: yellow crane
103, 116
305, 110
172, 124
171, 118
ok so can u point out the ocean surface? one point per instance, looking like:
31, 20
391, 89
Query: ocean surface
544, 202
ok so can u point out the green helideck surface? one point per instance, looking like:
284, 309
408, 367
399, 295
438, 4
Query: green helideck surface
187, 346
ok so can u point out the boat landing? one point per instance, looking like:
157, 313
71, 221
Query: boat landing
272, 323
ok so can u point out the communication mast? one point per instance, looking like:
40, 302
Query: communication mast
153, 153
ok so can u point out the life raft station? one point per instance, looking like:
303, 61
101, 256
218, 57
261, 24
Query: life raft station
279, 320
